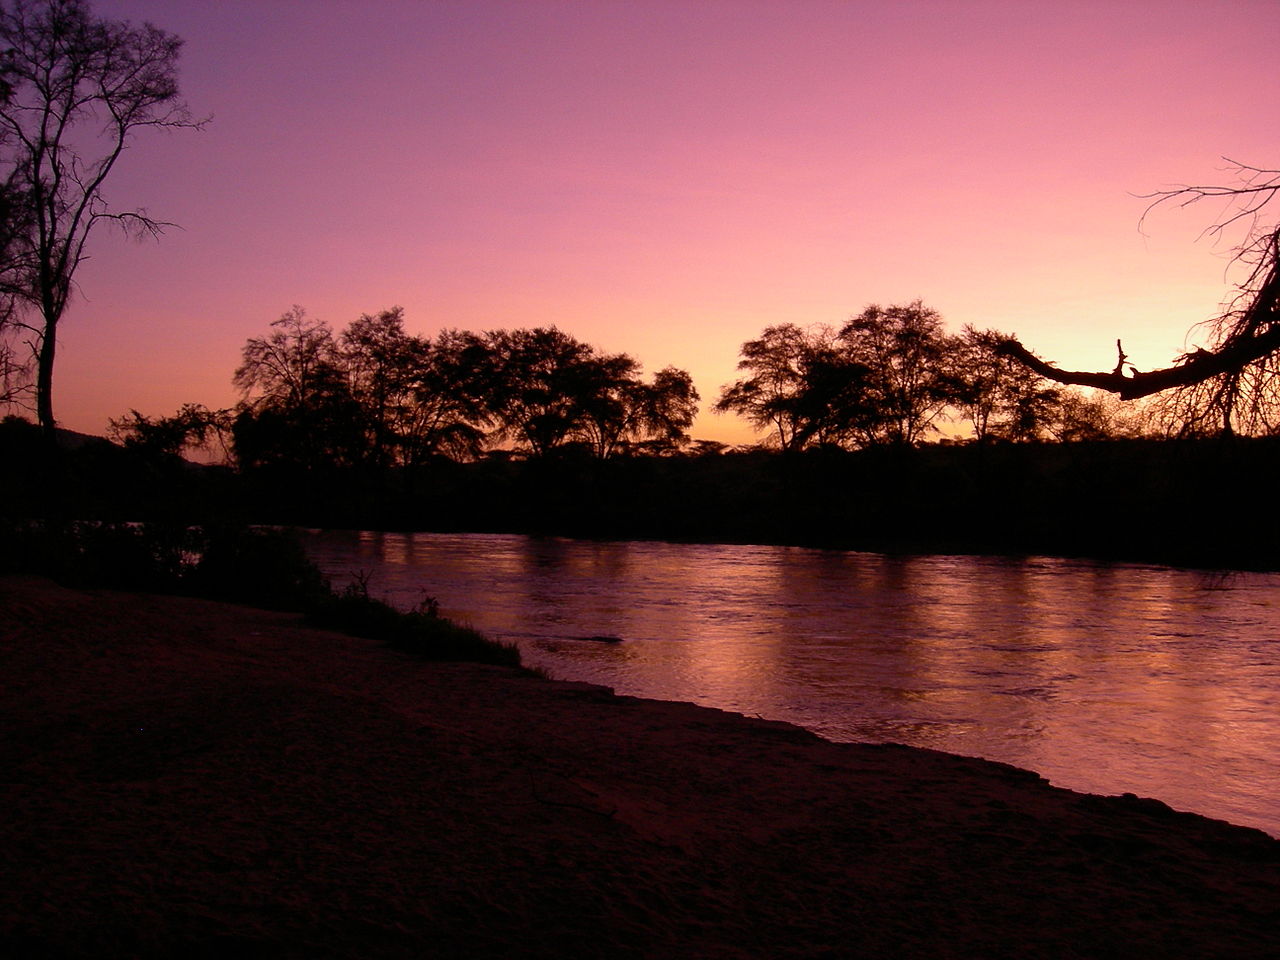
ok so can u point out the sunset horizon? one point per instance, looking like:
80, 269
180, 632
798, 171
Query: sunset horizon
667, 181
766, 479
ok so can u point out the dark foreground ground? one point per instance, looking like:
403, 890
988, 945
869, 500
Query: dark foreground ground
183, 778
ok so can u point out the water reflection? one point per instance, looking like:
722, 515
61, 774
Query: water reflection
1102, 677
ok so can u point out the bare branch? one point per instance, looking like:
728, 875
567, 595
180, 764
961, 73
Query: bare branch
79, 90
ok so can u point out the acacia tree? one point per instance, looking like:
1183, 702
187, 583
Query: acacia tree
662, 410
1233, 383
1000, 397
619, 409
79, 91
446, 414
193, 427
532, 383
905, 350
298, 407
380, 361
794, 376
545, 390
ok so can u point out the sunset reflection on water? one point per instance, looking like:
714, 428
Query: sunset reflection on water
1102, 677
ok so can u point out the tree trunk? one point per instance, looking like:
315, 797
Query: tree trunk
44, 379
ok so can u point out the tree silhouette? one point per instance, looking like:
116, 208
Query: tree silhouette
446, 415
904, 350
619, 409
543, 390
298, 407
1230, 384
533, 385
80, 89
381, 362
194, 426
1000, 397
881, 379
795, 377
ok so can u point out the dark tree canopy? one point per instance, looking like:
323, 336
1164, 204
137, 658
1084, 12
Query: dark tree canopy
904, 349
881, 379
547, 390
379, 397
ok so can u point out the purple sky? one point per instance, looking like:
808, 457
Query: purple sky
666, 179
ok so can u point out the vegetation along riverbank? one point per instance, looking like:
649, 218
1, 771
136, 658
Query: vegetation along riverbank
1165, 501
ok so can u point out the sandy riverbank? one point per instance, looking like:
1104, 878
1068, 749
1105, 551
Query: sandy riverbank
181, 777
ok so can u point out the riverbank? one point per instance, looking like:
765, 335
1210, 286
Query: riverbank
187, 777
1149, 501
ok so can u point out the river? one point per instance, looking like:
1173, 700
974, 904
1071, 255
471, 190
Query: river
1102, 677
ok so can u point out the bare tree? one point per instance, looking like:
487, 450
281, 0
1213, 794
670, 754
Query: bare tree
80, 89
292, 365
1233, 383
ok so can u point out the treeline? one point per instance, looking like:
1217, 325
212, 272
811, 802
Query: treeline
891, 375
533, 431
375, 396
378, 397
1152, 500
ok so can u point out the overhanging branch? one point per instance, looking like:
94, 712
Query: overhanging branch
1199, 366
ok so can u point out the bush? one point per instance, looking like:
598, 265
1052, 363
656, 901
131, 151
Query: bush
124, 556
260, 567
420, 632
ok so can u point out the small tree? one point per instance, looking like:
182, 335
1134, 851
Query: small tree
533, 384
291, 365
193, 427
80, 89
446, 414
999, 396
380, 361
664, 409
620, 411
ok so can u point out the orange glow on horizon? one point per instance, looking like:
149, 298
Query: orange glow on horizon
666, 180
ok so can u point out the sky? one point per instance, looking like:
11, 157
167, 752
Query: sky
667, 179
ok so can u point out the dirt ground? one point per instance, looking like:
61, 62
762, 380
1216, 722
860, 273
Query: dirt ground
185, 778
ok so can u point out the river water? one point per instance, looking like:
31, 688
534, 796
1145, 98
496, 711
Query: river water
1102, 677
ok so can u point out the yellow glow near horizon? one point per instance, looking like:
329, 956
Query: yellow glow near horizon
667, 180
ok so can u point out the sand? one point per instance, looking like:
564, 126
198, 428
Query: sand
186, 778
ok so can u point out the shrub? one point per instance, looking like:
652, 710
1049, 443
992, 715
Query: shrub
258, 566
262, 567
420, 632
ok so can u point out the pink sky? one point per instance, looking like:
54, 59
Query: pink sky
666, 179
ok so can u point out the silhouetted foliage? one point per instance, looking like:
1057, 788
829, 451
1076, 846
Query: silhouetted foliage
889, 377
193, 427
802, 386
420, 632
299, 410
446, 414
79, 90
534, 385
378, 397
381, 362
905, 351
999, 397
